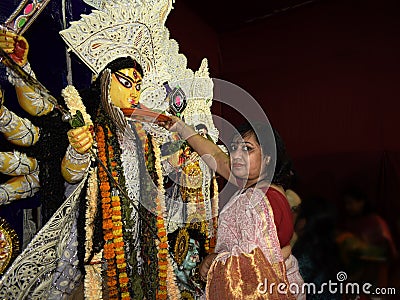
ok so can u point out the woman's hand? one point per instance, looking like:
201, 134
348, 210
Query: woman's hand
15, 45
81, 139
171, 124
177, 125
205, 265
286, 251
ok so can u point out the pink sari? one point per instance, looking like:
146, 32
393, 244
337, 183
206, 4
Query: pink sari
249, 264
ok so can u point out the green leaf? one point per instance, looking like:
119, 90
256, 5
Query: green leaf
77, 120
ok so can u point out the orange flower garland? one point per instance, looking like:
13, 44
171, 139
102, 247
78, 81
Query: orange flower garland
167, 285
112, 224
117, 230
107, 213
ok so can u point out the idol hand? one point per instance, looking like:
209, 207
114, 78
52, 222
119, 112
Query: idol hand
15, 46
81, 139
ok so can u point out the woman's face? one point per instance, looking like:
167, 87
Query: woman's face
125, 88
247, 160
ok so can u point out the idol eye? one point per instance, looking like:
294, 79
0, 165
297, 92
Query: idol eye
124, 81
138, 87
233, 147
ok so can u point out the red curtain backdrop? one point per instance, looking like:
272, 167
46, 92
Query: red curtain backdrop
327, 75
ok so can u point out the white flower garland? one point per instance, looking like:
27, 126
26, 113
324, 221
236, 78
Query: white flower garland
93, 288
74, 103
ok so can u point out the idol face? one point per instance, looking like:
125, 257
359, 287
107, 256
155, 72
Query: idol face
192, 257
125, 88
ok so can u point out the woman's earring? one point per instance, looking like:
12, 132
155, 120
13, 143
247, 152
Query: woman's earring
267, 160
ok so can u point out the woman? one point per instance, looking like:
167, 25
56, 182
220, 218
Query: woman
256, 225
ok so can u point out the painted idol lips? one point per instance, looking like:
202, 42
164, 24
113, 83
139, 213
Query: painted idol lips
133, 101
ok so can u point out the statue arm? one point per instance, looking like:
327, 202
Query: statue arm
77, 159
74, 165
17, 130
25, 180
17, 48
19, 187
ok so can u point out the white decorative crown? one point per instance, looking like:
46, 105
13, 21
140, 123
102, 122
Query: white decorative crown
136, 28
119, 29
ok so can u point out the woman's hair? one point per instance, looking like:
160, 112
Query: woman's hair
266, 137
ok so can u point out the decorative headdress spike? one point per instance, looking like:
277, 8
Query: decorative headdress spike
118, 29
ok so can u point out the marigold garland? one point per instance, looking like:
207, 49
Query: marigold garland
114, 253
112, 225
142, 136
173, 290
167, 280
109, 248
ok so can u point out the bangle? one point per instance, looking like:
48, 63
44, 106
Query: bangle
76, 158
182, 128
6, 120
186, 135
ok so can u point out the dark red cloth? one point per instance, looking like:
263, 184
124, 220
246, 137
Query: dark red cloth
282, 215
